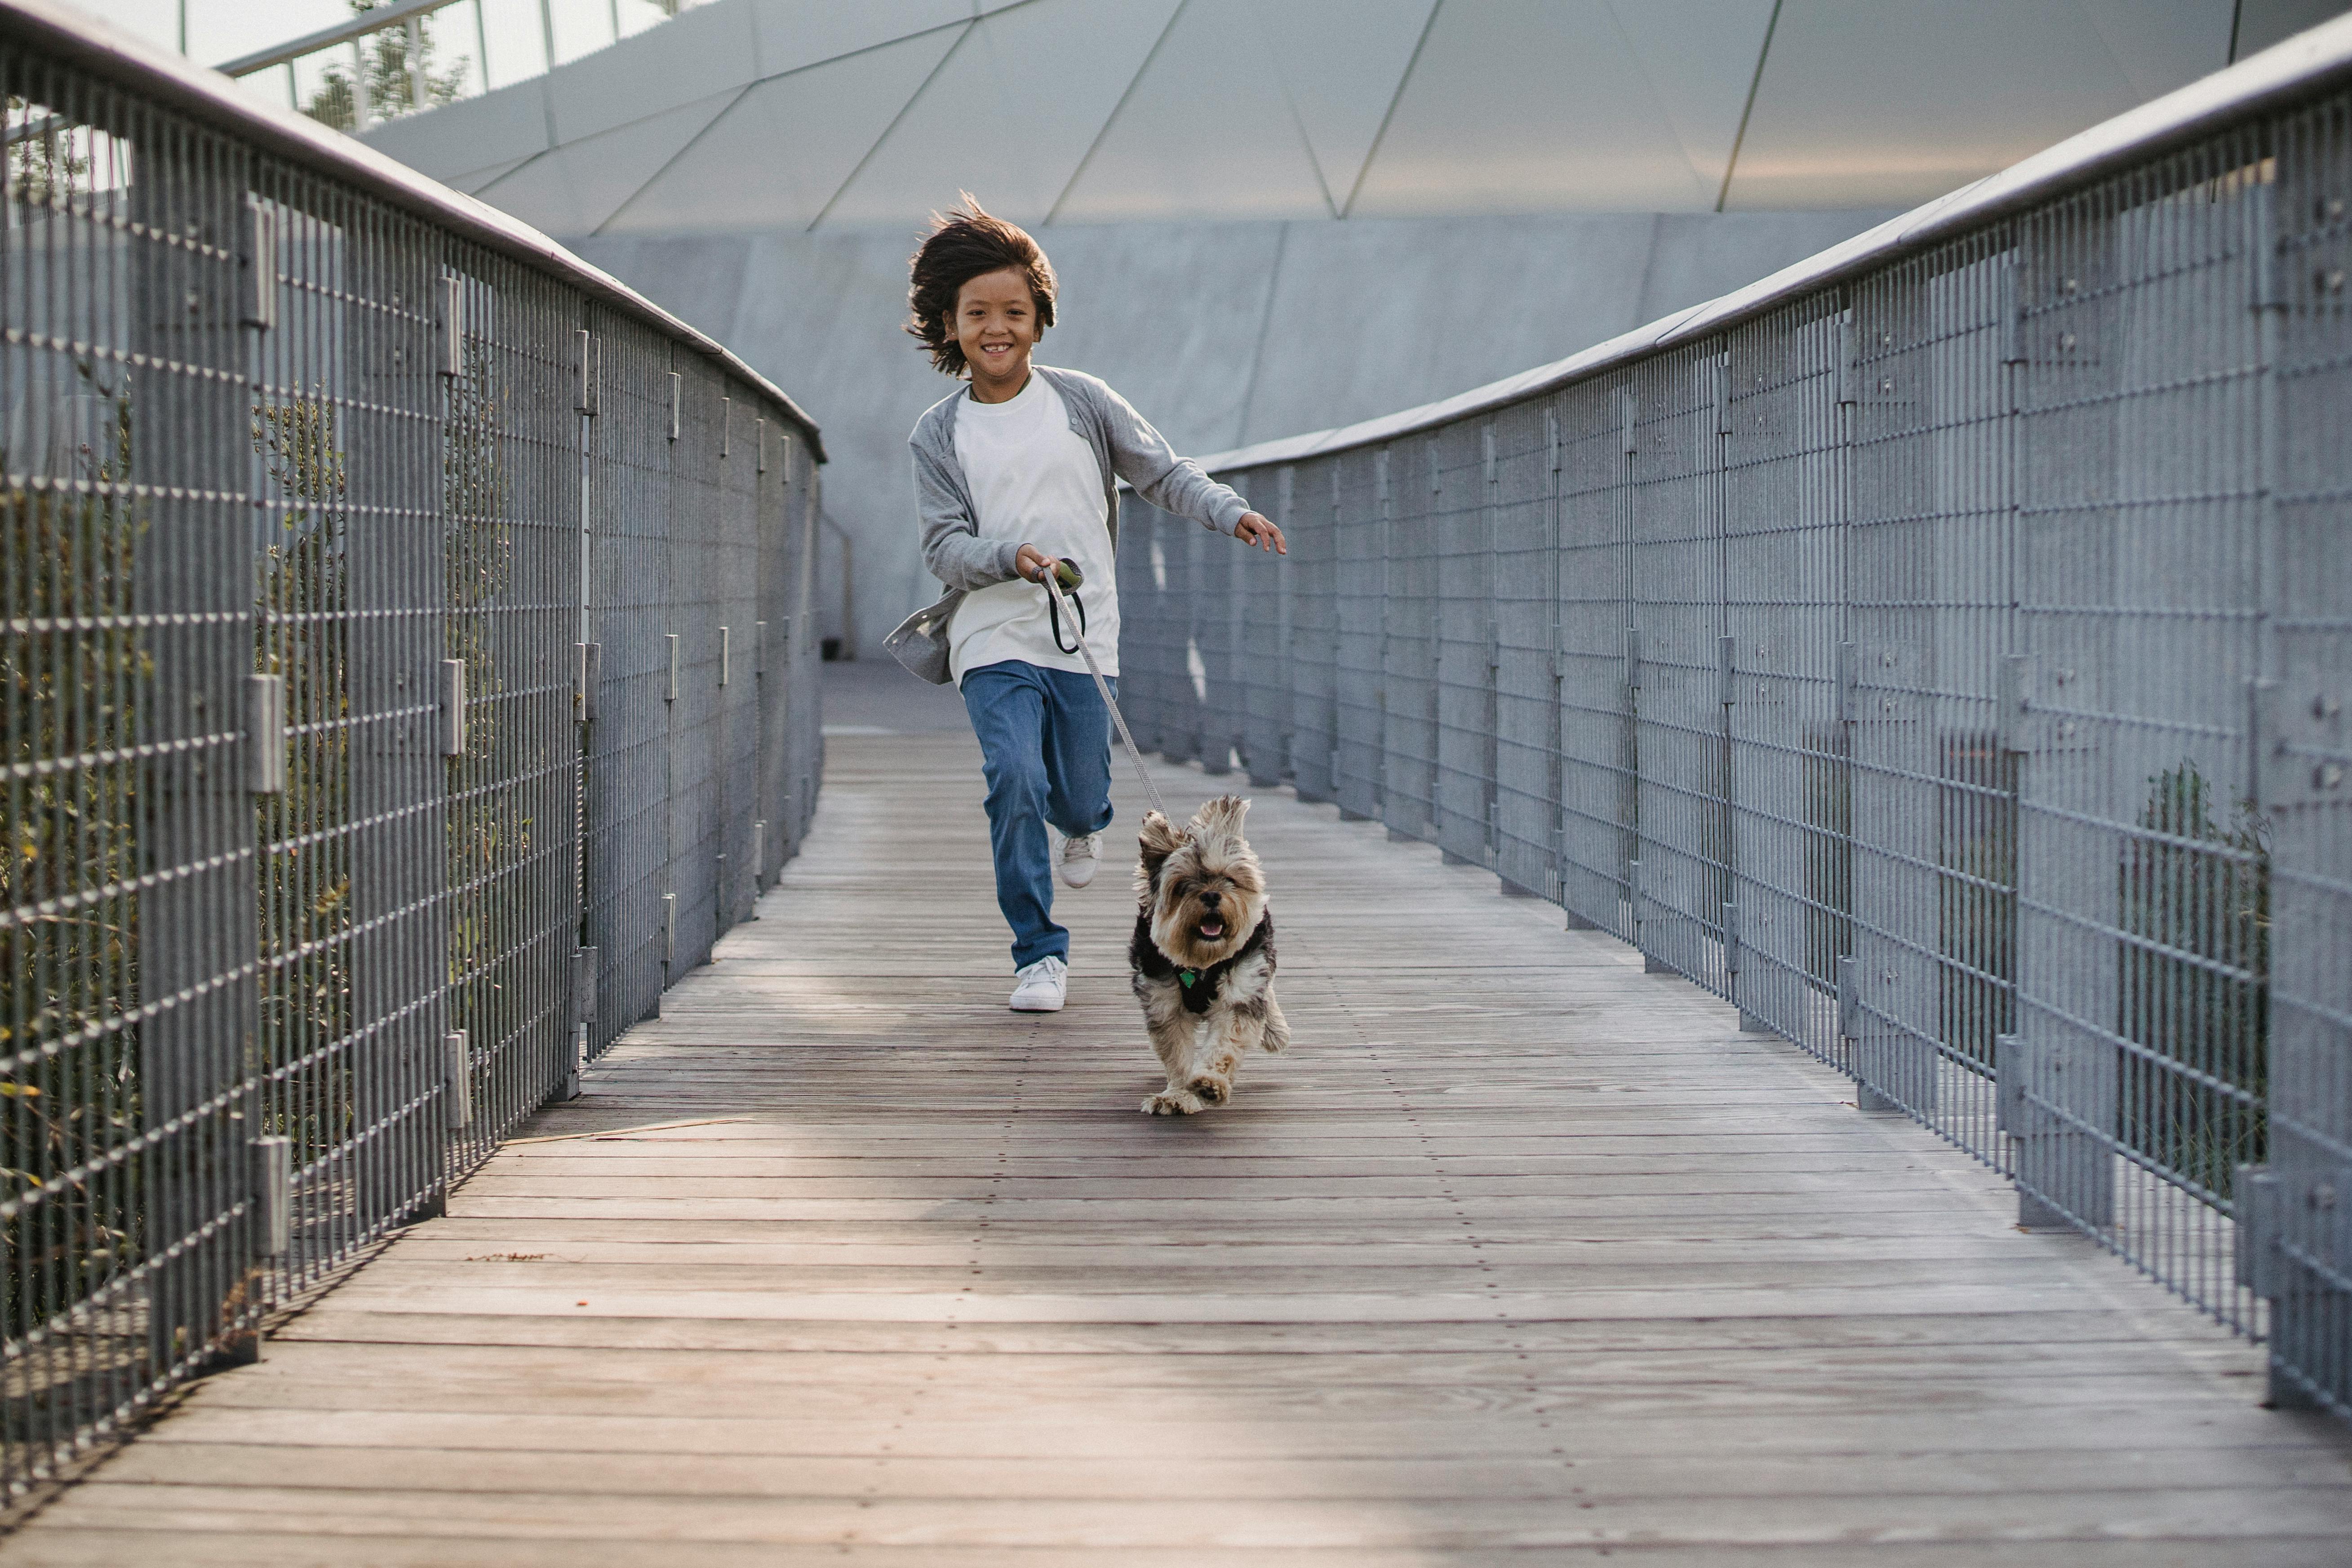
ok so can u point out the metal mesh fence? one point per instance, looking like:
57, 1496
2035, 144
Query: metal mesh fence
1946, 663
354, 786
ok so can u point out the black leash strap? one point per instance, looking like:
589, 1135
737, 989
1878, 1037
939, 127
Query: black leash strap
1054, 615
1054, 591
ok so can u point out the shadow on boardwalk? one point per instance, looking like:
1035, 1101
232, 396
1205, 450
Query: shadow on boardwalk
1520, 1255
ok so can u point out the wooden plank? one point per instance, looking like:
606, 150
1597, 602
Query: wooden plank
110, 1547
1521, 1255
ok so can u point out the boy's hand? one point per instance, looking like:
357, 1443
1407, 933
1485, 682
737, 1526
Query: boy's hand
1033, 563
1258, 530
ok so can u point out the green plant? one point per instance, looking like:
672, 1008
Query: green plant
391, 87
47, 161
72, 663
301, 634
489, 829
2195, 981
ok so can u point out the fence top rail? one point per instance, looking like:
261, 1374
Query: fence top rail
343, 32
2301, 68
208, 96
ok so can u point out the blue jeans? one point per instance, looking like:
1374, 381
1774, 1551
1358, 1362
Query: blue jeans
1044, 746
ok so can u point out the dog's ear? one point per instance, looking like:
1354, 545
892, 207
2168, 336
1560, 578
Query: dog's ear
1221, 818
1158, 841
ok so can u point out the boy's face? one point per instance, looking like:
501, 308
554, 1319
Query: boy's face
996, 327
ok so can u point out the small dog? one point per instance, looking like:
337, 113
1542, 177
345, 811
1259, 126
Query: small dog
1202, 955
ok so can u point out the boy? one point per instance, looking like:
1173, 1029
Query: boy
1015, 474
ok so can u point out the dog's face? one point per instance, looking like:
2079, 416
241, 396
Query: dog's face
1199, 885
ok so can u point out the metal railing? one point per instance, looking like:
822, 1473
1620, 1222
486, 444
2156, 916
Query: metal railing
1941, 650
406, 673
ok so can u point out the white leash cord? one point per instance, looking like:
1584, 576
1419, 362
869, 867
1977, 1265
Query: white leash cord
1103, 686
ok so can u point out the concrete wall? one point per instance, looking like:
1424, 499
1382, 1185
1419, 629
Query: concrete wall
1222, 333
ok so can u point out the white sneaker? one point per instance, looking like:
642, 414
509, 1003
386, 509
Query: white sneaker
1040, 987
1081, 858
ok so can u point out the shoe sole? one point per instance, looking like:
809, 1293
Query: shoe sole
1069, 881
1035, 1006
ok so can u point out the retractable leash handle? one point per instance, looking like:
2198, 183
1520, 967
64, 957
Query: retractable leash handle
1053, 588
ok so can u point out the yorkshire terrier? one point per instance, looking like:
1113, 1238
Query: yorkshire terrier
1202, 955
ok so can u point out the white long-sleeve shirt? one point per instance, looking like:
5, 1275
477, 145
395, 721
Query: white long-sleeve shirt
1034, 480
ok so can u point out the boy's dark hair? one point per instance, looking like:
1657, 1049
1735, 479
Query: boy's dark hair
965, 242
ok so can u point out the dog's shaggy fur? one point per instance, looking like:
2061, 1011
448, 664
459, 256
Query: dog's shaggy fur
1202, 955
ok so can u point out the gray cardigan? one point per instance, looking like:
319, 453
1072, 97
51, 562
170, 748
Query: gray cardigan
1124, 445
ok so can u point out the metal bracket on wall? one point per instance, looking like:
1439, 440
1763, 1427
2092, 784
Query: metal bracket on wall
453, 707
1632, 658
587, 674
2009, 710
676, 402
2012, 312
1848, 374
265, 734
726, 424
1730, 937
759, 648
2008, 1083
1848, 1010
760, 442
759, 855
2256, 1262
1629, 409
256, 266
1487, 450
272, 1180
585, 353
2262, 241
1551, 436
2301, 741
726, 653
669, 928
1726, 678
2019, 727
1722, 380
457, 1070
585, 967
1888, 676
453, 325
670, 693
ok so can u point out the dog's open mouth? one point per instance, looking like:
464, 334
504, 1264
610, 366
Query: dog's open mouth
1212, 931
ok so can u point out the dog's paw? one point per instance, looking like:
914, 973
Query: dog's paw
1173, 1103
1212, 1090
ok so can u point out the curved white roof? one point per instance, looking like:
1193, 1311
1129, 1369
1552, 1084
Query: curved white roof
821, 114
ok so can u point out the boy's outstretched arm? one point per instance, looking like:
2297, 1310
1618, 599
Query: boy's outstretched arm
1141, 455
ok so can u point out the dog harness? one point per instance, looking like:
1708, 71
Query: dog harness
1198, 986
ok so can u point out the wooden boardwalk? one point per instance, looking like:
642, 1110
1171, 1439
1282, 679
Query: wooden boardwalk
1520, 1255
